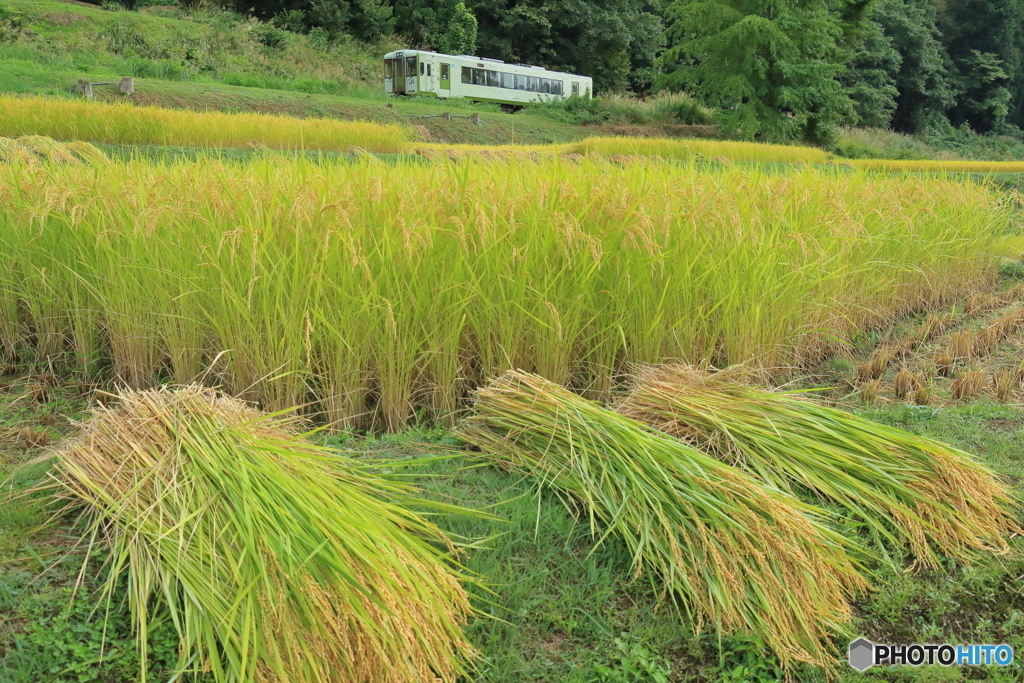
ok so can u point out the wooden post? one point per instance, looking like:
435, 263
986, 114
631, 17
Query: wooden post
475, 118
126, 86
84, 87
447, 116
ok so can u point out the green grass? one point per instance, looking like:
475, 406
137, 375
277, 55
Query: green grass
558, 603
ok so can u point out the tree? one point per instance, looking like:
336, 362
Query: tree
770, 67
985, 41
870, 78
899, 77
613, 41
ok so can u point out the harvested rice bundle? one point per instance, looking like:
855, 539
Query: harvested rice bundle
732, 552
47, 148
907, 488
278, 560
85, 152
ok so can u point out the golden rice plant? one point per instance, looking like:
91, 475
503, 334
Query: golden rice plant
870, 390
923, 395
278, 560
907, 489
1004, 383
689, 149
736, 555
376, 292
33, 148
878, 362
124, 123
932, 326
945, 363
968, 385
906, 384
961, 346
938, 165
985, 340
1009, 322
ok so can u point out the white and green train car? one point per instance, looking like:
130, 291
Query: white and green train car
411, 72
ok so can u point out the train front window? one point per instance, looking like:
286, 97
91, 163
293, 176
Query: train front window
389, 69
467, 74
410, 66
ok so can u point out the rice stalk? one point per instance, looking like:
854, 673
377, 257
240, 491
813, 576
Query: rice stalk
961, 346
906, 383
277, 560
1003, 384
736, 555
968, 385
907, 489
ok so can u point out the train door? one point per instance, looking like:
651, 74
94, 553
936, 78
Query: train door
399, 70
411, 75
445, 89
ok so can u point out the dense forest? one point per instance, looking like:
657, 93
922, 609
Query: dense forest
774, 69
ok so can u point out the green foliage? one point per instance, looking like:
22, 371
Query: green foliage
985, 43
293, 20
319, 38
613, 41
615, 109
770, 68
871, 77
332, 15
745, 660
269, 35
125, 40
74, 636
631, 661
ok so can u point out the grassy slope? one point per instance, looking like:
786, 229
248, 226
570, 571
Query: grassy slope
214, 62
560, 610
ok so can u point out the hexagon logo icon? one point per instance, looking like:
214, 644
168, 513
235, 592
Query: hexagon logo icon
862, 654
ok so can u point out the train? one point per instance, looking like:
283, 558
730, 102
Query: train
481, 79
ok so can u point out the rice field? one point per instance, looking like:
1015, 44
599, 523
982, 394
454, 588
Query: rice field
938, 165
378, 294
127, 124
655, 148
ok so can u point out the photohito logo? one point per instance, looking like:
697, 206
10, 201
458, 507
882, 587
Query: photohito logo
864, 654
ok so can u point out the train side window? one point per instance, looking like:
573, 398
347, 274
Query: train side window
494, 79
467, 74
521, 82
444, 72
556, 87
428, 69
479, 77
508, 80
532, 84
575, 88
545, 85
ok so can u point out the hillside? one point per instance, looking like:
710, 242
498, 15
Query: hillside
221, 61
